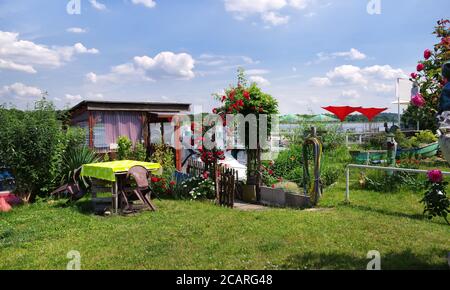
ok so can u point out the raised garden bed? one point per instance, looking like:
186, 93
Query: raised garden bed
278, 197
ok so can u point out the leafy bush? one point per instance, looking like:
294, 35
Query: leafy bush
124, 150
381, 181
331, 174
163, 155
435, 199
197, 188
74, 159
376, 142
289, 164
33, 144
140, 153
423, 138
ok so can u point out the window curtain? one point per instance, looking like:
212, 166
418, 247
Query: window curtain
112, 125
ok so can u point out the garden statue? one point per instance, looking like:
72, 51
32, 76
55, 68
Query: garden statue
391, 144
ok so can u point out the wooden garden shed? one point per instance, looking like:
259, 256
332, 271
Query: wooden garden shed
146, 122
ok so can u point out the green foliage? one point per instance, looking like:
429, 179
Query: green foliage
436, 201
402, 141
33, 144
330, 174
381, 181
423, 138
197, 188
140, 153
375, 142
74, 158
289, 164
125, 148
329, 134
164, 155
430, 80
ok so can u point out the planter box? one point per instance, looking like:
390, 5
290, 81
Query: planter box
273, 196
296, 200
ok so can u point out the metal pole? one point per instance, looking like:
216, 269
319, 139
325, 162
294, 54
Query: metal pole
347, 185
398, 101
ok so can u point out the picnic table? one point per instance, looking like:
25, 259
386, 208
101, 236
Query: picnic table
114, 172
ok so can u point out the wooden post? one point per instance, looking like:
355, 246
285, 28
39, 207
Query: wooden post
178, 149
91, 130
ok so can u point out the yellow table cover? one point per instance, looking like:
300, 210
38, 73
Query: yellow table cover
108, 170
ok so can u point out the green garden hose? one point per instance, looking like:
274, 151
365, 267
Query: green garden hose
312, 189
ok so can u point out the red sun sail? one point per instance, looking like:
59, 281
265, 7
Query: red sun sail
341, 112
371, 113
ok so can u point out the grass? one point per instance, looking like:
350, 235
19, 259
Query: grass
200, 235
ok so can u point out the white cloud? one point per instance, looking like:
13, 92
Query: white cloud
352, 54
274, 18
24, 55
320, 82
267, 9
77, 30
351, 94
73, 97
347, 73
257, 72
146, 3
97, 5
144, 68
95, 96
384, 71
259, 80
9, 65
20, 91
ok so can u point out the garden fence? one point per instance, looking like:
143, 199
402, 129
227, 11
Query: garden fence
226, 185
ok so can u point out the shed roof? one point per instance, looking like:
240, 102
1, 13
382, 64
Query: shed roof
151, 107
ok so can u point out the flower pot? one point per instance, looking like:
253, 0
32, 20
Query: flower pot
296, 200
249, 193
273, 196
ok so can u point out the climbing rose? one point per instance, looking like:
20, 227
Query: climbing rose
232, 94
420, 67
247, 95
206, 175
435, 176
418, 101
427, 54
413, 75
214, 111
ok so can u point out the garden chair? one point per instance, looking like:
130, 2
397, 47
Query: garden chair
142, 191
73, 188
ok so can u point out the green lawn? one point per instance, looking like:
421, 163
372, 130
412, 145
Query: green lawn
200, 235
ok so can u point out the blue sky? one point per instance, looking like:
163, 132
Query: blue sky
306, 53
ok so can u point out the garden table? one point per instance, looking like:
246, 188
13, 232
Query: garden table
113, 171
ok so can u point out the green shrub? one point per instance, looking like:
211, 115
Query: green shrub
330, 174
140, 153
33, 144
289, 163
197, 188
423, 138
124, 150
74, 159
163, 155
381, 181
376, 142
